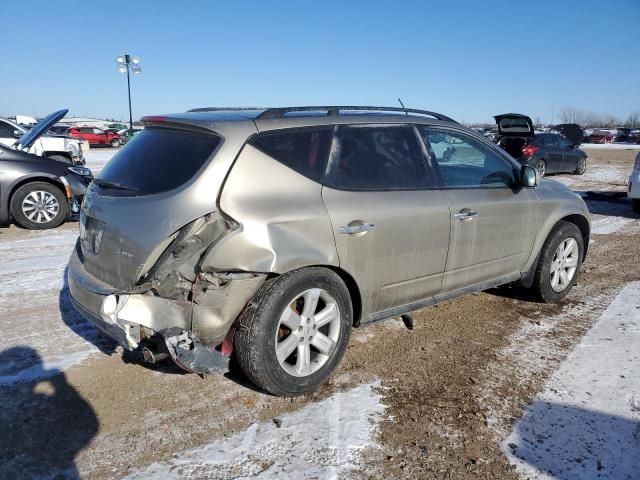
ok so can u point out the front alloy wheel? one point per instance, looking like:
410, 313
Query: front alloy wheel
559, 262
38, 206
564, 265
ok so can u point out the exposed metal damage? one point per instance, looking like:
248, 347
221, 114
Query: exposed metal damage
182, 307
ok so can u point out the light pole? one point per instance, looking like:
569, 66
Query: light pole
128, 63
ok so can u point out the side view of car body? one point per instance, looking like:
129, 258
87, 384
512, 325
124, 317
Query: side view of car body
97, 136
634, 185
270, 234
547, 152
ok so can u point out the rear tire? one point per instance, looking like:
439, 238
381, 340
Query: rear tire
635, 203
304, 311
115, 143
541, 166
38, 206
581, 167
559, 264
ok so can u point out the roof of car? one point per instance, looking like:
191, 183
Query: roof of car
289, 117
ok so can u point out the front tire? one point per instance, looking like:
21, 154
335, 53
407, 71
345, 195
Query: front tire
38, 206
559, 264
295, 331
115, 143
635, 203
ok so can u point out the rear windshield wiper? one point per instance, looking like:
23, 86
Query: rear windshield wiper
114, 185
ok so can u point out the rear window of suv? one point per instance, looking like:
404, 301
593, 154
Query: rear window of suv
157, 160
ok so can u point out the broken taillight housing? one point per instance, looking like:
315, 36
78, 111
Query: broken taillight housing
530, 150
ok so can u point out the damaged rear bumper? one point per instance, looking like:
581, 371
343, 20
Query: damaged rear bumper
188, 331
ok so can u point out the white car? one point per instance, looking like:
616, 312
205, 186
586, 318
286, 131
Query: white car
57, 147
634, 185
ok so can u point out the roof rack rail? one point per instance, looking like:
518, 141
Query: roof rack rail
223, 109
334, 110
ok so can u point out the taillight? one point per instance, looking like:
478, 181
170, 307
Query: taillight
530, 150
154, 119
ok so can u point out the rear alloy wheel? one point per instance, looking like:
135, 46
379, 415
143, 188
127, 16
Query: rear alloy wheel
541, 166
295, 331
38, 206
581, 167
115, 143
559, 263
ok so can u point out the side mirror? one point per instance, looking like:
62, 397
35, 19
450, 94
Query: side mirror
529, 176
17, 134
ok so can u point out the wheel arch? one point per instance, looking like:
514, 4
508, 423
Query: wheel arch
24, 181
349, 281
578, 220
585, 228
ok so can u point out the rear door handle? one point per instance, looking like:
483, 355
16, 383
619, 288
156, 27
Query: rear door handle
466, 215
354, 228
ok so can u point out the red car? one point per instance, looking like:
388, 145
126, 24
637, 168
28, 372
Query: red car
96, 136
601, 136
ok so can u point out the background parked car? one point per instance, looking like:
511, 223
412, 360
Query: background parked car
547, 152
97, 136
600, 136
61, 148
39, 192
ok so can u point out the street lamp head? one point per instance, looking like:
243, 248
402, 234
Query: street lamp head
135, 60
122, 68
120, 59
136, 69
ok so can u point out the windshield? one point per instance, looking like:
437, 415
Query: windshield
157, 160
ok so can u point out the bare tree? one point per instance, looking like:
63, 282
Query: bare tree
633, 120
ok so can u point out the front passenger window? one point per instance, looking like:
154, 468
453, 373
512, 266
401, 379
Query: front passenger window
465, 162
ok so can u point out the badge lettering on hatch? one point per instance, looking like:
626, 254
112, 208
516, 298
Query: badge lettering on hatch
123, 253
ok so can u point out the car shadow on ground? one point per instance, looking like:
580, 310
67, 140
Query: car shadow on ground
609, 203
44, 421
569, 442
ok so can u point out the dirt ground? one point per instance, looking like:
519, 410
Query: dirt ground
453, 386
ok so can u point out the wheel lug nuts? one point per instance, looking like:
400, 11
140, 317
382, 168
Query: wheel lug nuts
308, 320
301, 339
300, 328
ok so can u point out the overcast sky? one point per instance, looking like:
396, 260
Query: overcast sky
466, 59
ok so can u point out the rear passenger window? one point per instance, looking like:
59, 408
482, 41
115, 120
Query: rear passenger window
304, 150
373, 158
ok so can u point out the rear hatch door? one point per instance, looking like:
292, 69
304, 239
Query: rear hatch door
142, 197
514, 125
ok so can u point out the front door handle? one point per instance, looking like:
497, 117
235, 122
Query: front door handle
466, 215
355, 228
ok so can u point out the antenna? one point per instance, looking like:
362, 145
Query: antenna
403, 107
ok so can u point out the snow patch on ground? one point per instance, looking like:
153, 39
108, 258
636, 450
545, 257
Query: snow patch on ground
609, 146
607, 225
41, 332
321, 440
586, 422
